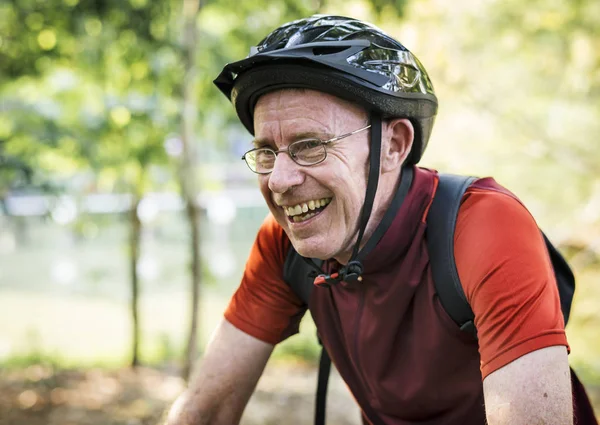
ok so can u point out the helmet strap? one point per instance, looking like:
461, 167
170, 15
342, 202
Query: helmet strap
372, 181
352, 271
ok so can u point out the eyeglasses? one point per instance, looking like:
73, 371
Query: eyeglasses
303, 152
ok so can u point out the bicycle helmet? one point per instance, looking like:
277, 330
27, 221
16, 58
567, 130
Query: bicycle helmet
345, 57
352, 60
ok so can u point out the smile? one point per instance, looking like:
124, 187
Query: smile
306, 210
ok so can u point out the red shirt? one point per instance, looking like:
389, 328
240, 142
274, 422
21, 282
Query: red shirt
403, 358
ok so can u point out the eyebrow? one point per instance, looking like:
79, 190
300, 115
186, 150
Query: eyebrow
261, 143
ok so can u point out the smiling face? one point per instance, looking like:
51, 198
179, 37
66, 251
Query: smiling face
318, 206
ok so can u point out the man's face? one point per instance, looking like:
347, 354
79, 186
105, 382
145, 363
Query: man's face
335, 188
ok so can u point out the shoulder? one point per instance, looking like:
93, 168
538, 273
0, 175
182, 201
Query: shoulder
506, 273
271, 242
264, 306
487, 202
492, 225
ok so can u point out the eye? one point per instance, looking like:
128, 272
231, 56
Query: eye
263, 159
305, 145
309, 151
311, 144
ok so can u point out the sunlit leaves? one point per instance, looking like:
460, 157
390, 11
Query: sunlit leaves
519, 92
47, 39
6, 127
120, 116
93, 26
140, 70
55, 162
138, 4
34, 21
216, 21
109, 74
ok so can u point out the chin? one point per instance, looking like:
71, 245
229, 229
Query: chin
311, 250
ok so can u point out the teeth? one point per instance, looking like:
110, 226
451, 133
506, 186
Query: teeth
303, 208
298, 219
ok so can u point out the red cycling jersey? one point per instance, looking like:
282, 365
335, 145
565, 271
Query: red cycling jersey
402, 357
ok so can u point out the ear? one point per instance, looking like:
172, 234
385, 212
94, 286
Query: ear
397, 140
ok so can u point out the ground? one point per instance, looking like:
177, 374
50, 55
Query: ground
38, 395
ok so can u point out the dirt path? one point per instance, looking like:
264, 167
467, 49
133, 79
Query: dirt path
38, 396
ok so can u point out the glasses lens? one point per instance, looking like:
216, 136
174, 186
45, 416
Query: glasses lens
308, 152
261, 160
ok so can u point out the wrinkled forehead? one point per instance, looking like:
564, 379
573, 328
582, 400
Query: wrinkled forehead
306, 108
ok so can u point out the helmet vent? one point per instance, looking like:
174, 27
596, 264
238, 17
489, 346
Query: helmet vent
323, 51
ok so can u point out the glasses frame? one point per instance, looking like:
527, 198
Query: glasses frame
324, 143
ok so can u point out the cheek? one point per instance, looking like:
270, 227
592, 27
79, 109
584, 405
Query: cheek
354, 202
351, 196
263, 184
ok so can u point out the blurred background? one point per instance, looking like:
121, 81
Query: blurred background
126, 214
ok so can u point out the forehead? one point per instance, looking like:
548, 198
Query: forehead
292, 110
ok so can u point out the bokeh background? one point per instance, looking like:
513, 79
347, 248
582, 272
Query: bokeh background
126, 214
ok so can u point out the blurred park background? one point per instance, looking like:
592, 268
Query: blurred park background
125, 207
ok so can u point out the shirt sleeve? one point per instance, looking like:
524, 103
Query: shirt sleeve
507, 277
264, 306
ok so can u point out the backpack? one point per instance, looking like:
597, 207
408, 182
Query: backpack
441, 222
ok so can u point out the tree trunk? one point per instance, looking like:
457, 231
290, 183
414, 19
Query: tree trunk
191, 352
188, 175
134, 255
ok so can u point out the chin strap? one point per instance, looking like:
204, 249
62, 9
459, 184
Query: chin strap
352, 271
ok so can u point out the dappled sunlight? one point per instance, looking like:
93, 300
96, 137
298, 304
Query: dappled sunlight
125, 397
115, 146
40, 395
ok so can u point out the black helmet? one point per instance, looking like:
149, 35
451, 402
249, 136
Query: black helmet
342, 56
349, 59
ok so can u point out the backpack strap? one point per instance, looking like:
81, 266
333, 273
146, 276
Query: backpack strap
323, 380
441, 222
565, 279
299, 274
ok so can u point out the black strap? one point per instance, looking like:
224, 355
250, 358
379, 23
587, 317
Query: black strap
353, 270
300, 274
321, 402
374, 160
564, 278
441, 222
406, 179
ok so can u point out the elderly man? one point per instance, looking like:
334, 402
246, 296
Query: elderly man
341, 113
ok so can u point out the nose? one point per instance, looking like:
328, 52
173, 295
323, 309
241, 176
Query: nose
286, 174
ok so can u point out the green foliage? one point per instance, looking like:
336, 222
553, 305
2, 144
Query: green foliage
91, 89
385, 7
84, 93
519, 92
97, 85
302, 347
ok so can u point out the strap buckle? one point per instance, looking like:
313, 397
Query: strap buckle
326, 280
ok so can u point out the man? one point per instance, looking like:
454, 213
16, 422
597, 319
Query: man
341, 113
